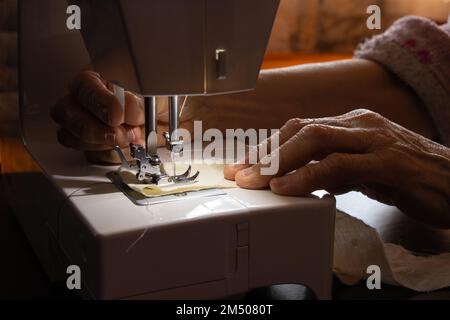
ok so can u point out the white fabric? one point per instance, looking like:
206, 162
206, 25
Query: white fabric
358, 246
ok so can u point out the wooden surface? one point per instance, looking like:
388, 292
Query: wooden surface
24, 278
279, 60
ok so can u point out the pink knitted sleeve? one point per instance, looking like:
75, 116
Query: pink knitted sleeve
418, 51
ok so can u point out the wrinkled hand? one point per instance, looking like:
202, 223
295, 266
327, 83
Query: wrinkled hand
361, 151
92, 119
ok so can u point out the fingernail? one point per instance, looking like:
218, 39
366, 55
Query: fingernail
110, 138
247, 172
131, 135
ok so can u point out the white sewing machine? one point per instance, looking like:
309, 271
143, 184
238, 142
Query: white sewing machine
210, 245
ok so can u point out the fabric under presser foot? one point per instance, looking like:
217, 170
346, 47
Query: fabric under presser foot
210, 177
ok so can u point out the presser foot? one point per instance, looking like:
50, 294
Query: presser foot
149, 169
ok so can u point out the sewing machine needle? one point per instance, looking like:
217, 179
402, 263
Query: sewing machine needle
151, 126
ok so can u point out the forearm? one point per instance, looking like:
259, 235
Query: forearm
320, 90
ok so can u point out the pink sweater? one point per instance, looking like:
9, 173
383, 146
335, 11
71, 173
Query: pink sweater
418, 52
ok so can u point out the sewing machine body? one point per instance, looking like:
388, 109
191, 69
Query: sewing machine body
211, 246
208, 246
178, 47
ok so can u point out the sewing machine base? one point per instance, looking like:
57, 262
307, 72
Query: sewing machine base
140, 200
202, 247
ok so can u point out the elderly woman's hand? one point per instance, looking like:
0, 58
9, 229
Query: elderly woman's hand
362, 151
92, 119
